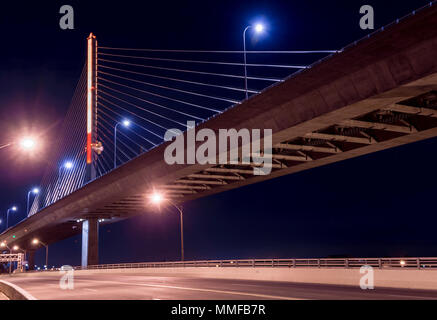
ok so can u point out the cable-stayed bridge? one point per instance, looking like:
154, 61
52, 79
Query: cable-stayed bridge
322, 106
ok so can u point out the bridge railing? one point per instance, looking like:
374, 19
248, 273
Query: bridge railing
398, 263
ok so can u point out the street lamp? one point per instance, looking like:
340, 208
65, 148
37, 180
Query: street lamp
17, 248
68, 165
126, 123
14, 208
3, 245
26, 144
35, 191
258, 29
36, 242
157, 198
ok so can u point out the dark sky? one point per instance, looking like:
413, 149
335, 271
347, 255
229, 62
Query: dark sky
375, 205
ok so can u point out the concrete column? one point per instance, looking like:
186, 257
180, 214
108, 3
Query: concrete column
90, 242
31, 259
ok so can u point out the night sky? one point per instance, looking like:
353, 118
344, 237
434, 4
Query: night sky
375, 205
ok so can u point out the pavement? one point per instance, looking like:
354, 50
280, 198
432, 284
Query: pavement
124, 286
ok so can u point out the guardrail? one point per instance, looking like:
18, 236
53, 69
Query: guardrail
398, 263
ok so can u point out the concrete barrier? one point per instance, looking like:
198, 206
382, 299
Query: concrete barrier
14, 292
424, 279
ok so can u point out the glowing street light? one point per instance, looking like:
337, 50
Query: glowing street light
35, 191
157, 198
36, 242
258, 29
126, 123
68, 165
27, 143
17, 248
13, 208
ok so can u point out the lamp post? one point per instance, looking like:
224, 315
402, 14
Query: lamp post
258, 28
4, 245
126, 123
14, 208
26, 144
17, 248
156, 199
34, 191
68, 165
37, 241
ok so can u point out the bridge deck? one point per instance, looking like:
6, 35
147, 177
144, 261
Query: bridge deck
142, 286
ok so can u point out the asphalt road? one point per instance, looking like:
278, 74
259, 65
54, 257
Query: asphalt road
137, 286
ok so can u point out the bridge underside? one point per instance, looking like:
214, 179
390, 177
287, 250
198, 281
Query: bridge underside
353, 131
378, 94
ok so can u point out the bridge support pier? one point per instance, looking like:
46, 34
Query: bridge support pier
90, 242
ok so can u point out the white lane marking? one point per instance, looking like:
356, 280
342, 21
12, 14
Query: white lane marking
203, 290
88, 289
409, 297
26, 294
245, 285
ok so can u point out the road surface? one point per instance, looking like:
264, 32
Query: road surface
137, 286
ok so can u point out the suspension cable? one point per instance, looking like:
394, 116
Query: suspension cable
208, 62
173, 89
115, 105
158, 95
195, 72
150, 102
187, 81
134, 105
115, 120
227, 51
